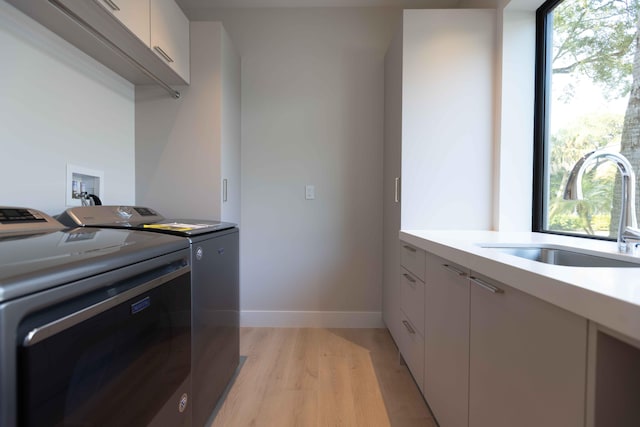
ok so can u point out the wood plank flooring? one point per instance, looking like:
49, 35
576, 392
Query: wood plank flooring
322, 377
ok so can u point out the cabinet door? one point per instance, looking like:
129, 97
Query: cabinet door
528, 360
170, 35
391, 187
446, 372
133, 14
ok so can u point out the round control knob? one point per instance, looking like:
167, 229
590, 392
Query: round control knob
182, 405
124, 212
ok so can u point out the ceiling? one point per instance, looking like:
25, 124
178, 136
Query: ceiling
406, 4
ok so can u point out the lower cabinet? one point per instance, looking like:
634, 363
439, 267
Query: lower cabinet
409, 330
446, 371
527, 364
489, 355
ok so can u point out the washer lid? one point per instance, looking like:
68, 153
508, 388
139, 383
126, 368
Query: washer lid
32, 263
139, 218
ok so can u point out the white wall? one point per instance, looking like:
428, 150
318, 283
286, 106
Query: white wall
513, 185
59, 106
516, 122
312, 113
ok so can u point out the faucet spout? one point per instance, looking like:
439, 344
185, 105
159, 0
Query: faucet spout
628, 225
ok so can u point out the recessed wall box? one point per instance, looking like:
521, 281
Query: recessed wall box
81, 182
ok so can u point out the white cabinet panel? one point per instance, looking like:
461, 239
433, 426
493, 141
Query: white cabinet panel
446, 372
527, 360
391, 184
170, 35
133, 14
448, 71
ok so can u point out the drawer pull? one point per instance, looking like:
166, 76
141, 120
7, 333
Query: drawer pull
396, 197
163, 54
112, 5
409, 278
486, 286
409, 248
454, 270
408, 326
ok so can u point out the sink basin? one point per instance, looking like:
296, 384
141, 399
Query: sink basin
558, 256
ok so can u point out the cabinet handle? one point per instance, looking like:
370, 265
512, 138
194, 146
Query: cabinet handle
397, 191
163, 54
409, 248
224, 190
486, 286
454, 270
408, 326
409, 278
112, 5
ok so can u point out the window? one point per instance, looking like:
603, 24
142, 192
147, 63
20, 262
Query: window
587, 98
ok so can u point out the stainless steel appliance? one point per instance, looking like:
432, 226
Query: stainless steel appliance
215, 298
95, 325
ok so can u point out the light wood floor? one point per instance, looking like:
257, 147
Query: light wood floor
322, 377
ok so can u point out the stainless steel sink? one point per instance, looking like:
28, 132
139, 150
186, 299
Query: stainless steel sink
557, 256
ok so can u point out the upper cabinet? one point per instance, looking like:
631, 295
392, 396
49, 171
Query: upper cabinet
133, 14
170, 35
144, 41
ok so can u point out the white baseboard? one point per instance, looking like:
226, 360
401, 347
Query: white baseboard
311, 319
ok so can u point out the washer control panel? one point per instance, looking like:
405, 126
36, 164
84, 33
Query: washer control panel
105, 215
16, 220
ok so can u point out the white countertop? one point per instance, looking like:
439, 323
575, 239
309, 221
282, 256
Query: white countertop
608, 296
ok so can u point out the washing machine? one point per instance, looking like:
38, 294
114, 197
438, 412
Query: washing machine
215, 297
95, 325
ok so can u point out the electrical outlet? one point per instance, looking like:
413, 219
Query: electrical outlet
309, 192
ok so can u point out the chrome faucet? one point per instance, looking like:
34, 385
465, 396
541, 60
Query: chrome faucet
628, 227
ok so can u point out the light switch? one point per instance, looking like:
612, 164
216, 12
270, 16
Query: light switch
309, 192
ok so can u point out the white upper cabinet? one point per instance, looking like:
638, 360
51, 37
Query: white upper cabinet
133, 14
170, 35
122, 34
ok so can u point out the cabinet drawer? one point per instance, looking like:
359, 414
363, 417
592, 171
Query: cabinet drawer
411, 346
412, 299
413, 259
